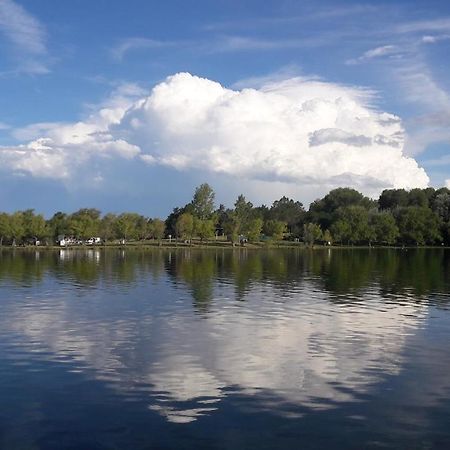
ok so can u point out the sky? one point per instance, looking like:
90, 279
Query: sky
128, 106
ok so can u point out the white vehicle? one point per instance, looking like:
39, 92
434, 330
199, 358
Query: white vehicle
93, 240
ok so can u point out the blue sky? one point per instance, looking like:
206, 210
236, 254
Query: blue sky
312, 95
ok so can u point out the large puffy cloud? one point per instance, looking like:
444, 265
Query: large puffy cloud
299, 131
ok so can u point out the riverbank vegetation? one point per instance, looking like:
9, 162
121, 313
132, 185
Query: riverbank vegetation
342, 217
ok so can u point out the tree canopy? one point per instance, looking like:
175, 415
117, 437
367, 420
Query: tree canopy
344, 216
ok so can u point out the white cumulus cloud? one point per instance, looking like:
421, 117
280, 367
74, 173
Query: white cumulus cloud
295, 130
299, 131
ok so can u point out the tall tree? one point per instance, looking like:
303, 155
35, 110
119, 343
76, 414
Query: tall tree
325, 211
84, 223
203, 201
58, 225
288, 211
243, 214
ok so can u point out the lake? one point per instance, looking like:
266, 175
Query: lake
225, 349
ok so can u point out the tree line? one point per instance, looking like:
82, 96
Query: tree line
344, 216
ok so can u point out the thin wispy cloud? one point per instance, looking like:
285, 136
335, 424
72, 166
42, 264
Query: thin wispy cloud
218, 44
435, 25
312, 13
137, 43
421, 89
377, 52
436, 38
27, 37
442, 161
242, 43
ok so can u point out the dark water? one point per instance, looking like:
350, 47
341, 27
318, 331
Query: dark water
345, 349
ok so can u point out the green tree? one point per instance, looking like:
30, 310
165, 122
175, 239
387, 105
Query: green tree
35, 226
108, 227
204, 228
254, 229
326, 210
275, 229
203, 202
17, 228
418, 225
311, 233
158, 228
244, 213
172, 220
5, 227
221, 215
341, 231
184, 227
143, 227
440, 204
357, 218
58, 225
384, 227
84, 223
231, 227
327, 237
126, 226
393, 198
288, 211
418, 197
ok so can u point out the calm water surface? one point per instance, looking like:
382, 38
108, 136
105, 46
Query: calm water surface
225, 349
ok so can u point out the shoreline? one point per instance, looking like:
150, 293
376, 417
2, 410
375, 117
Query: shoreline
214, 246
